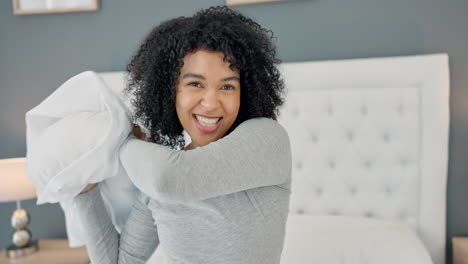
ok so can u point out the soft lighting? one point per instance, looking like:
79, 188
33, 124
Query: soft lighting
15, 186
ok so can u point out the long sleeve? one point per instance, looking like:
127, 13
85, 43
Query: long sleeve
139, 237
257, 153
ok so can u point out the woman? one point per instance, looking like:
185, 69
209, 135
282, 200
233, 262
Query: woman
223, 198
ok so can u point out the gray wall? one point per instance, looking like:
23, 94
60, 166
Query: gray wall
39, 52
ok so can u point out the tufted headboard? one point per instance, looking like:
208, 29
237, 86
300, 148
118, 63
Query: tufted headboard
369, 137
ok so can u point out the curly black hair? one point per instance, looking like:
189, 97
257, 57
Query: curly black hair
154, 69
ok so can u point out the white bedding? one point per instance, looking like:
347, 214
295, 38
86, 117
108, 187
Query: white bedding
351, 240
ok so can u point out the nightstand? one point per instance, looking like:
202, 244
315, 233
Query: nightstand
460, 250
54, 251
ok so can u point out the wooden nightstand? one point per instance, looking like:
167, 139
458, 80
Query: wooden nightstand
54, 251
460, 250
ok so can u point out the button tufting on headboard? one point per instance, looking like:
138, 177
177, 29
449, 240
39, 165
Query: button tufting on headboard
318, 191
356, 140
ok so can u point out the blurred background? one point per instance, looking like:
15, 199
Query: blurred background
39, 52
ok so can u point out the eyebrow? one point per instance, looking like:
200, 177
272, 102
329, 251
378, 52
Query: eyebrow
193, 75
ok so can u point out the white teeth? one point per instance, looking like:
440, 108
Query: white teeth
208, 122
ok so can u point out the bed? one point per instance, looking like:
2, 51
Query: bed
369, 141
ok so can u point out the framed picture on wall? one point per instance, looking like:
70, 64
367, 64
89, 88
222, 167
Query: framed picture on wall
246, 2
31, 7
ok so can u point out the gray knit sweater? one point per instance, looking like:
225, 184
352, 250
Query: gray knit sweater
226, 202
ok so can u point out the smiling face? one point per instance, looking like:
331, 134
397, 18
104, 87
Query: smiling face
207, 96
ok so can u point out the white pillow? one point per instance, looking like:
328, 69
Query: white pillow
350, 240
73, 138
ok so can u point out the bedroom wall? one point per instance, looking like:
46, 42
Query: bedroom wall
39, 52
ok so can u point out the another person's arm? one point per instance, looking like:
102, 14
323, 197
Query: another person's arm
139, 237
257, 153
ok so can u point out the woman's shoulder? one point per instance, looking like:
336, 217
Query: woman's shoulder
263, 123
264, 127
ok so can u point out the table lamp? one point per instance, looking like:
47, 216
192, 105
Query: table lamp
15, 186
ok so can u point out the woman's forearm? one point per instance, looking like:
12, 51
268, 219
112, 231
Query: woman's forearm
139, 236
257, 153
102, 240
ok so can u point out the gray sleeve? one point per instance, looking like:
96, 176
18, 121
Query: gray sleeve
139, 237
257, 153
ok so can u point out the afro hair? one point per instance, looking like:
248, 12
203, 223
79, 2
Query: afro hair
154, 69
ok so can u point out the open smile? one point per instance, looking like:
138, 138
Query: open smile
207, 124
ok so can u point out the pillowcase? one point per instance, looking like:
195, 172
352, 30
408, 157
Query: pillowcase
351, 240
73, 138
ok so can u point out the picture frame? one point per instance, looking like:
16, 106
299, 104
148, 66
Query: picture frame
32, 7
247, 2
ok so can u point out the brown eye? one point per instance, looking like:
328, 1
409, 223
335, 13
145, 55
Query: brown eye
196, 84
228, 87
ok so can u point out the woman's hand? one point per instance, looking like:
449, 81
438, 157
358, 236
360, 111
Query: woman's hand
89, 187
138, 133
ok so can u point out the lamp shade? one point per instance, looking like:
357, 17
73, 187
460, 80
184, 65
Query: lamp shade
14, 184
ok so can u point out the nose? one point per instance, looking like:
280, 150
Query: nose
210, 100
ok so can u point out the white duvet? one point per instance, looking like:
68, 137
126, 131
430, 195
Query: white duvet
350, 240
